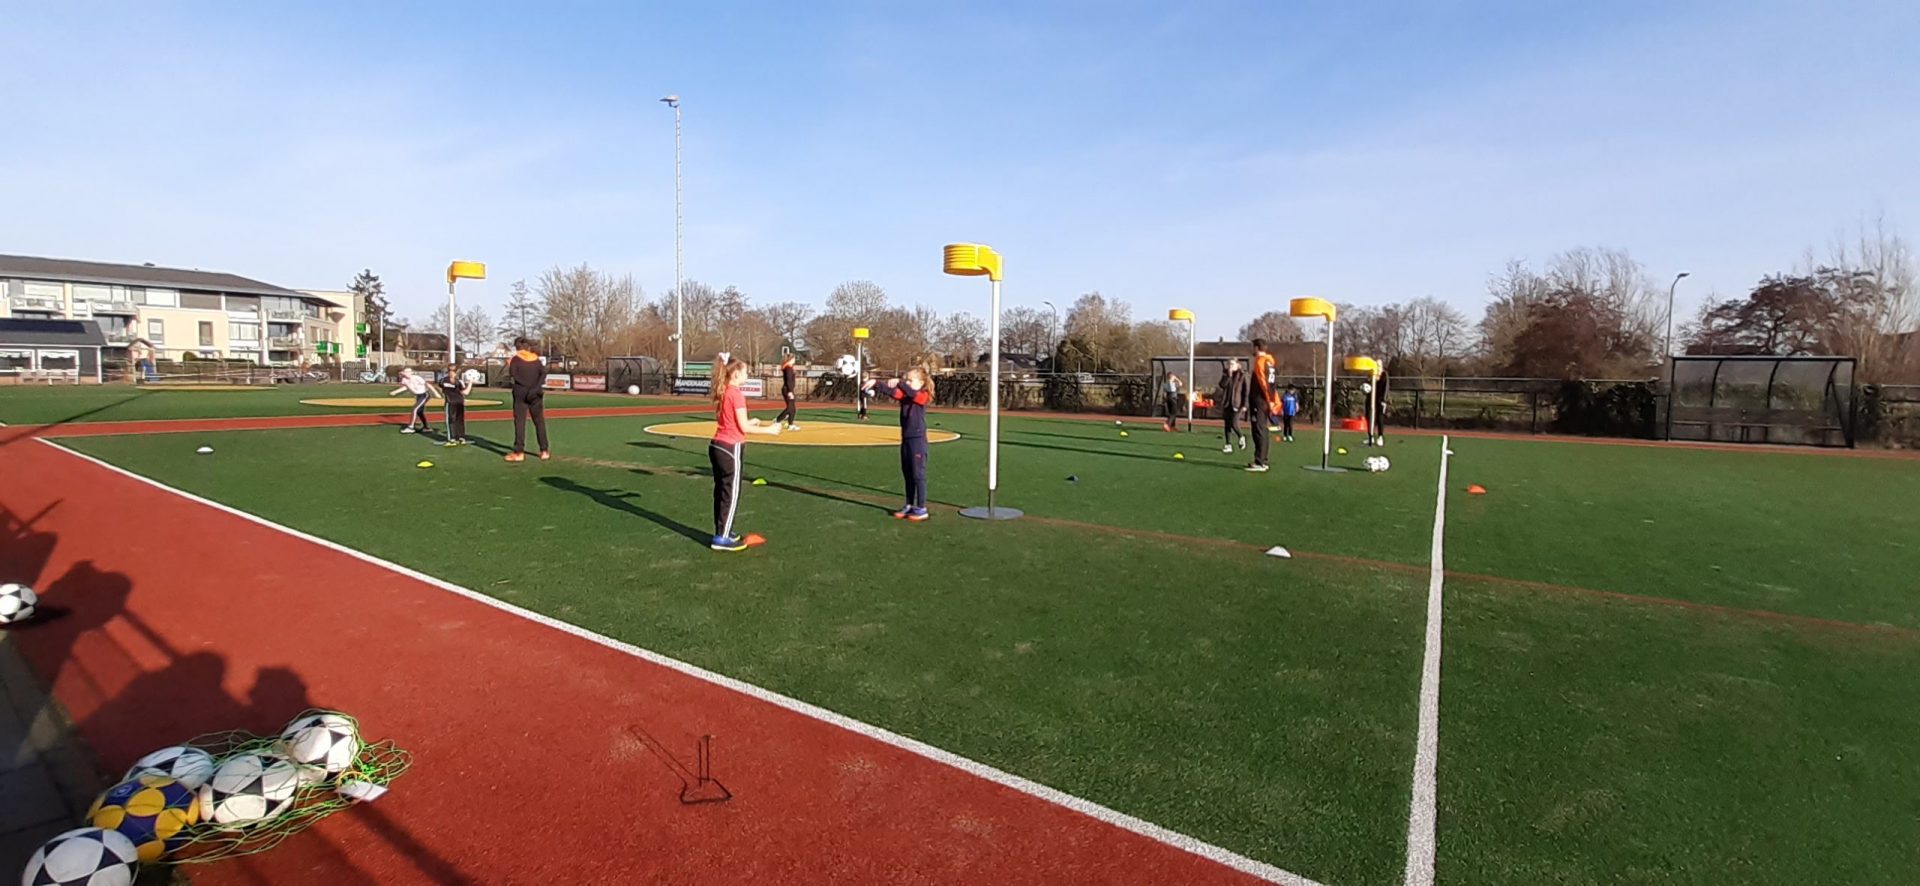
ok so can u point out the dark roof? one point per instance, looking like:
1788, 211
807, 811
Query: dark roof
74, 333
72, 271
425, 341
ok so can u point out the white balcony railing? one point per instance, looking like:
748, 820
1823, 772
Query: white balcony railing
35, 303
103, 306
286, 315
287, 342
123, 337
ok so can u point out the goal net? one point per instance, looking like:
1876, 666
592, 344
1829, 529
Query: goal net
1796, 401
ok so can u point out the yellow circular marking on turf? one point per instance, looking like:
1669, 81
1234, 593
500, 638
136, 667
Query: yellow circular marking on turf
383, 402
810, 434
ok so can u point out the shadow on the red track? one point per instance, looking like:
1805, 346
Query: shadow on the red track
134, 709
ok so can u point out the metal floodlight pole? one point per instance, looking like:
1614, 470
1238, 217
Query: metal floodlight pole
977, 260
1670, 288
1053, 332
679, 254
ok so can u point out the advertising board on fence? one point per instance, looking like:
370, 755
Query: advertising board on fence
557, 382
589, 382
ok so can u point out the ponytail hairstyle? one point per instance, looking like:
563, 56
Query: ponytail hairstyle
926, 378
723, 379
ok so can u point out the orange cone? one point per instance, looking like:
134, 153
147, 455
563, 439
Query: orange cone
1476, 489
754, 539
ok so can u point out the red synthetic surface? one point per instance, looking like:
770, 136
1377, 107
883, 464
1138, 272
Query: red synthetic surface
168, 618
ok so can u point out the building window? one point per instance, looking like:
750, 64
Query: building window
160, 298
206, 333
157, 331
202, 301
243, 331
60, 361
15, 362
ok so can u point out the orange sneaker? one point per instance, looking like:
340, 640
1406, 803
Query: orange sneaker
545, 455
516, 457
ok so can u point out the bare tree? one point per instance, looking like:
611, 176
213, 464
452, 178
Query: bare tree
1273, 326
522, 317
474, 330
1024, 330
859, 302
1873, 273
1436, 331
789, 320
963, 337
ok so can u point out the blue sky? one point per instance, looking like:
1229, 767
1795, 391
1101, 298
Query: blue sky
1218, 156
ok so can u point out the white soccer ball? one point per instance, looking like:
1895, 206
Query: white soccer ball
248, 788
83, 857
1384, 464
327, 741
17, 603
633, 390
848, 365
1366, 387
188, 765
472, 377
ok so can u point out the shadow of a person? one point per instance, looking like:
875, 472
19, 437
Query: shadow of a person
621, 500
87, 599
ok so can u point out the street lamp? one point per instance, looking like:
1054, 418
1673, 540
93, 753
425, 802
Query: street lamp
1318, 307
1177, 315
679, 314
1053, 330
460, 270
1670, 288
977, 260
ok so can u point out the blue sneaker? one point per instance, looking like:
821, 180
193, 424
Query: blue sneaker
723, 543
917, 515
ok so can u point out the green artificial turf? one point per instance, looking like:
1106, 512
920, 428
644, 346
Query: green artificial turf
1129, 642
29, 404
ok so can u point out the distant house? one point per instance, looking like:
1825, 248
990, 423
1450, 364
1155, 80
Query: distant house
423, 348
50, 350
177, 311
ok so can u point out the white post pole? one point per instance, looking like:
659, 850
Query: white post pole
1373, 405
993, 407
1190, 390
1326, 421
452, 314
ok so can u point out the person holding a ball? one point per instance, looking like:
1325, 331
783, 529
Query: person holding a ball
913, 393
725, 451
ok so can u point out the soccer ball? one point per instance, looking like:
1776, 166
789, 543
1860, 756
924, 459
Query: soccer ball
1377, 463
472, 377
849, 365
151, 810
17, 603
325, 741
1366, 387
187, 765
248, 788
633, 390
83, 857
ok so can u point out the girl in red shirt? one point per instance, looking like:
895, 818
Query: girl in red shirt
725, 450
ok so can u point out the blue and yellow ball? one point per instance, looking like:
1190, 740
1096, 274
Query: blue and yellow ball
154, 811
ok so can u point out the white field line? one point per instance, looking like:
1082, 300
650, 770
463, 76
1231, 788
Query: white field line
1420, 815
1085, 807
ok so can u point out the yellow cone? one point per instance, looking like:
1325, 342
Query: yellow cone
1123, 433
424, 464
1179, 455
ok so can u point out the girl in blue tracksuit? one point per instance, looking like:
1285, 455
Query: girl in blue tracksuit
913, 393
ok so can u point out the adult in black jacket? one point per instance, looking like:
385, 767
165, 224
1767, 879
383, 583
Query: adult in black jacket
1231, 398
529, 375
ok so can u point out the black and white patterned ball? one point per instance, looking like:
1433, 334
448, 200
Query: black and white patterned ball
248, 788
324, 740
17, 603
185, 764
83, 857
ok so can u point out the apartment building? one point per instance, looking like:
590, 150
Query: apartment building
180, 312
